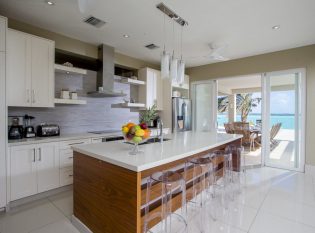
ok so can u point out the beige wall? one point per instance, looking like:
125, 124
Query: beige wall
303, 57
77, 46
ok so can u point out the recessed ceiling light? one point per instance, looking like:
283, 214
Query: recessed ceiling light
126, 36
50, 3
276, 27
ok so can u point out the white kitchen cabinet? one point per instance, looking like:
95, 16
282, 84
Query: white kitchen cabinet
43, 72
3, 29
33, 169
47, 166
23, 175
151, 93
30, 70
3, 112
66, 159
18, 69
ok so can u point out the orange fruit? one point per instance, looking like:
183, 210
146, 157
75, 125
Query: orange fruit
146, 134
129, 125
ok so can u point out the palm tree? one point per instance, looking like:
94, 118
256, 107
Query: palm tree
244, 104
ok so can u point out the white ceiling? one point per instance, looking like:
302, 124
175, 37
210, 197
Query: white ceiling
244, 25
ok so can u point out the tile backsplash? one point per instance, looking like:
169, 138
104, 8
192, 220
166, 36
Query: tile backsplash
97, 114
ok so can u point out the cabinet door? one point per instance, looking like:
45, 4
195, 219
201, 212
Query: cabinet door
42, 93
23, 179
47, 166
3, 26
3, 133
18, 69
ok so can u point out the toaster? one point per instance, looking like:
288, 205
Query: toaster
48, 130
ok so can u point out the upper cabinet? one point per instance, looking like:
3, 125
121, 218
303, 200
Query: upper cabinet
151, 93
30, 70
3, 26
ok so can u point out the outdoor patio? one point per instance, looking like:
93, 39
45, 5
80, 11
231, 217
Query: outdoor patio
281, 155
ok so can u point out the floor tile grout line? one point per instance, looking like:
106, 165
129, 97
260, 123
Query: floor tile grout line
57, 208
38, 228
259, 209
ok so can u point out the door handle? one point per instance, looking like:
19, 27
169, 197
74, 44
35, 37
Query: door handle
33, 97
75, 143
39, 154
34, 155
28, 95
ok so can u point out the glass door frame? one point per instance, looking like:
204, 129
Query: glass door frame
299, 134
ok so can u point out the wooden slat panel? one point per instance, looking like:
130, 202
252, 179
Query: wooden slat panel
106, 197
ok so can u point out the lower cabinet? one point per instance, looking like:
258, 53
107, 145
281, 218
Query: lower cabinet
33, 169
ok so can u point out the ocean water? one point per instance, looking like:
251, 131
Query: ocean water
287, 120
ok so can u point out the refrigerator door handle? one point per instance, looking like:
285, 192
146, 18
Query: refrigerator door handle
184, 114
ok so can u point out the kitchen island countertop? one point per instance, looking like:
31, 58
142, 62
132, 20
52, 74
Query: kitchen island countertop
180, 145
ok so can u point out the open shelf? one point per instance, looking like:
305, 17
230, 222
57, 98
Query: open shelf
69, 101
129, 105
130, 81
69, 70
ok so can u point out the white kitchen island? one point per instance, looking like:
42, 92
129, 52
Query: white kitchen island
109, 193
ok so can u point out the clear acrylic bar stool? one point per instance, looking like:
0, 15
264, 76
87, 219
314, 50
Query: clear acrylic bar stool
172, 183
240, 165
223, 165
200, 172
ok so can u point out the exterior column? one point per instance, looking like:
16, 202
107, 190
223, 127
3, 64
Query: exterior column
232, 108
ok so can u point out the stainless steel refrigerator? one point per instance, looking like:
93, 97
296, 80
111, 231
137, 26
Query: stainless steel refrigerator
182, 115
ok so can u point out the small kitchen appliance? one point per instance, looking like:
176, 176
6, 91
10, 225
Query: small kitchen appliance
15, 129
29, 130
48, 130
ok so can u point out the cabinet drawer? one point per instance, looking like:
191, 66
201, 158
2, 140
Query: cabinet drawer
66, 158
66, 176
69, 144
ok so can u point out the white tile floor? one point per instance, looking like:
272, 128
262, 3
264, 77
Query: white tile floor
273, 201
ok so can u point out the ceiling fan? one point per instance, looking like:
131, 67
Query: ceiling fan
215, 52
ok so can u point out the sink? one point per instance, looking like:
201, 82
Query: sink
154, 140
151, 140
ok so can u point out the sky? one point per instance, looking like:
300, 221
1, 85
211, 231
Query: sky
281, 102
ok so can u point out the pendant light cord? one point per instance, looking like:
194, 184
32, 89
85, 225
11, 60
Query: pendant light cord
181, 43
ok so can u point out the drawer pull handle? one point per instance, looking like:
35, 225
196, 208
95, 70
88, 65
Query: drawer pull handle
70, 175
70, 157
75, 143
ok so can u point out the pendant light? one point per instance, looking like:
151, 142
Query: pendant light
181, 63
165, 59
174, 61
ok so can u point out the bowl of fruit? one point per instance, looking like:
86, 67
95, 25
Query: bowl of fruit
135, 134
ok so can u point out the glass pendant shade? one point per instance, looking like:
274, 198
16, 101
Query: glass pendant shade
181, 72
173, 71
165, 65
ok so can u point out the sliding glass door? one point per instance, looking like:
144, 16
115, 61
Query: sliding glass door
204, 96
283, 135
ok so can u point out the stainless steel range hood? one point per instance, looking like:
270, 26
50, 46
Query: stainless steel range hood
105, 76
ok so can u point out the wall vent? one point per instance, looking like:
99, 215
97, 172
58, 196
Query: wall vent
152, 46
94, 21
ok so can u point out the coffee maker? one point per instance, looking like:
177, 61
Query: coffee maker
15, 129
29, 130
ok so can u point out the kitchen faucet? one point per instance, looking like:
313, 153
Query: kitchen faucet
160, 125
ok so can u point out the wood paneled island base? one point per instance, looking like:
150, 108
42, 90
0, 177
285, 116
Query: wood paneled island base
109, 198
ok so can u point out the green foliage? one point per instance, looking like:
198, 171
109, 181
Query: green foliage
244, 104
149, 115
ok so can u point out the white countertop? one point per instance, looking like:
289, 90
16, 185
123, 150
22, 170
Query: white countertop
180, 146
63, 137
